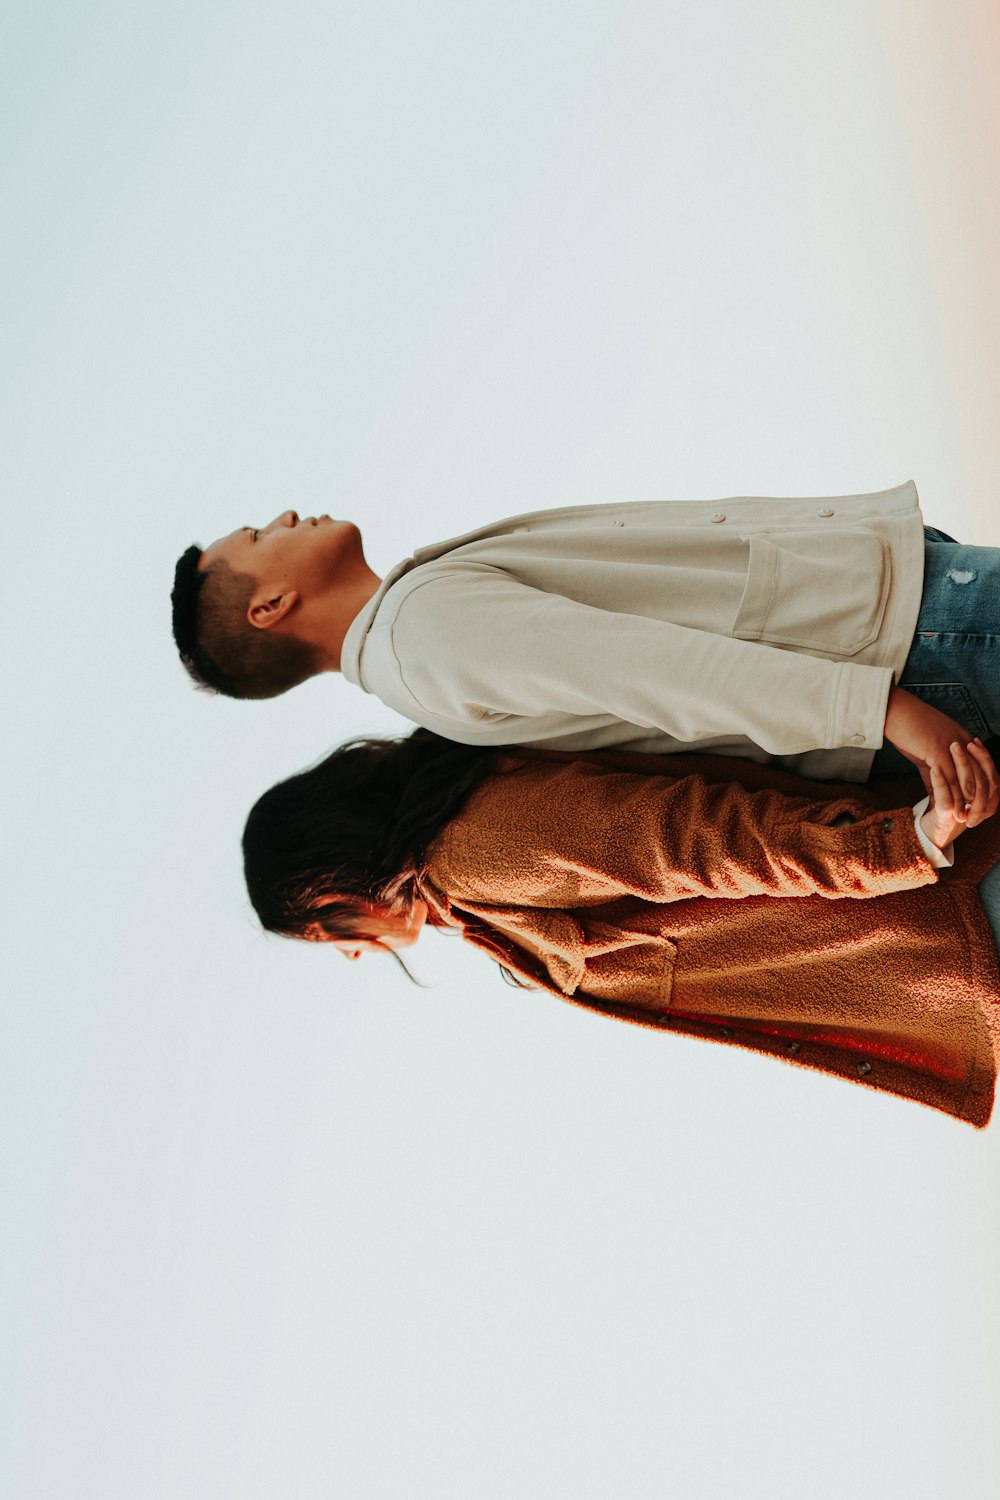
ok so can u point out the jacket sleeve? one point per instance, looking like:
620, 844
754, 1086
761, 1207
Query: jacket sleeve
481, 657
565, 835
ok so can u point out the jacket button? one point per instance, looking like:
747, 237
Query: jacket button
826, 511
720, 515
618, 523
795, 1046
887, 825
726, 1033
864, 1068
856, 739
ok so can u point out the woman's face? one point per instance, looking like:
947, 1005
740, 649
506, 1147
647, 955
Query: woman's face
377, 930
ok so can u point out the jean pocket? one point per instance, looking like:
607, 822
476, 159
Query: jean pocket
954, 699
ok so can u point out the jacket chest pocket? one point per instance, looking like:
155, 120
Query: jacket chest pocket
815, 590
631, 968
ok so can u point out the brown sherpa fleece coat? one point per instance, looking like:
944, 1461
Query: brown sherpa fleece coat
658, 890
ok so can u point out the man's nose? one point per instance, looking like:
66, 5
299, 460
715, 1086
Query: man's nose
287, 518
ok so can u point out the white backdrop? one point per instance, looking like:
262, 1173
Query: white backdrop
277, 1227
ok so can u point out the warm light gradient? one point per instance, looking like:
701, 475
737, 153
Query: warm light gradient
277, 1226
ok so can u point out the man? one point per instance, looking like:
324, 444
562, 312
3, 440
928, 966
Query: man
756, 627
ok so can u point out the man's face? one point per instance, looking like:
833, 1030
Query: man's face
306, 555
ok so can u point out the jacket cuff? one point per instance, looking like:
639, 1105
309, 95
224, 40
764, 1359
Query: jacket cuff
859, 707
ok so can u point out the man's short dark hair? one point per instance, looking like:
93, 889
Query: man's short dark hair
221, 650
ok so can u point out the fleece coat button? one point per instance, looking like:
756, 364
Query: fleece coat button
720, 515
826, 511
887, 825
856, 739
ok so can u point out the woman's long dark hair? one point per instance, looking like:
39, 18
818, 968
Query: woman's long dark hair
353, 830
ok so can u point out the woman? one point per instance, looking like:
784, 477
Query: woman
660, 891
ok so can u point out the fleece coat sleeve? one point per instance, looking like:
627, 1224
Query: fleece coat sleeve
578, 835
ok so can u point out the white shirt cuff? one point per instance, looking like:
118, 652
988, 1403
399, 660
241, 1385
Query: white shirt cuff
941, 859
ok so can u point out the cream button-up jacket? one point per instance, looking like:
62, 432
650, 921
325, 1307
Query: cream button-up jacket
758, 627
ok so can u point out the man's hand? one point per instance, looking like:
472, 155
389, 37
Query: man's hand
945, 819
926, 736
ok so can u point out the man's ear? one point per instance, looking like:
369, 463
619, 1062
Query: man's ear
266, 610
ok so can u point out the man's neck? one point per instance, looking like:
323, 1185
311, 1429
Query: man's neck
334, 615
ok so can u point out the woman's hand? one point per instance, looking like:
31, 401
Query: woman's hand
926, 737
948, 815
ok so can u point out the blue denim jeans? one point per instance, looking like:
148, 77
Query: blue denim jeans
989, 895
954, 661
